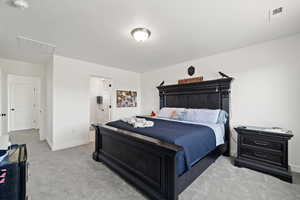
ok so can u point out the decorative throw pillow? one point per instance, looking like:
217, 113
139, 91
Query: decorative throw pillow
167, 112
174, 114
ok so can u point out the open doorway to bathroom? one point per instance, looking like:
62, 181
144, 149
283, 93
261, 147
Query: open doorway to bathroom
100, 101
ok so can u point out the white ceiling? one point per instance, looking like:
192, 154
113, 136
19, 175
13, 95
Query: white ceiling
99, 30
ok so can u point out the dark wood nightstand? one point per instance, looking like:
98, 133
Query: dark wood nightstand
264, 150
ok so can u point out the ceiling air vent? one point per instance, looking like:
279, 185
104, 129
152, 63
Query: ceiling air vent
277, 11
277, 14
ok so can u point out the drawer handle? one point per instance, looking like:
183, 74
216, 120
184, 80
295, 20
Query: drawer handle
261, 143
260, 155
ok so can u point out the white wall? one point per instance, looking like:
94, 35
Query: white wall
96, 89
48, 119
20, 69
265, 92
71, 98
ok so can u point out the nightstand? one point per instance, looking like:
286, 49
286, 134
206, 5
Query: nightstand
264, 150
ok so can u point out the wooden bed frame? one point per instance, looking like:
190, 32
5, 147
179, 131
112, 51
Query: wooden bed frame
150, 164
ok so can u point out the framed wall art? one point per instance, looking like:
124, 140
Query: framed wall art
126, 98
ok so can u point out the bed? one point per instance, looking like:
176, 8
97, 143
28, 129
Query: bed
155, 165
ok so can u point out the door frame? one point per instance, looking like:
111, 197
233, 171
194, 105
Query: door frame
110, 93
1, 114
24, 79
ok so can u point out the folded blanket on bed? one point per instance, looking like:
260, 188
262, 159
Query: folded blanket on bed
138, 122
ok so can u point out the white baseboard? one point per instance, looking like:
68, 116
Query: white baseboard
295, 168
92, 136
49, 143
70, 144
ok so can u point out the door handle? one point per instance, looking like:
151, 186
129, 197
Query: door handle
261, 143
12, 109
260, 155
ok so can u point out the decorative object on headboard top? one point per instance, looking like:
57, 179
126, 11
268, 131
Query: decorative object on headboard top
223, 75
190, 80
191, 70
162, 83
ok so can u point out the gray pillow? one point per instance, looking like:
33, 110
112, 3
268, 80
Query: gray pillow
223, 116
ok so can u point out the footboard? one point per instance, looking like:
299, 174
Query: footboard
145, 162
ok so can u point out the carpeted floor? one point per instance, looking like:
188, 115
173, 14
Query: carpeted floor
71, 174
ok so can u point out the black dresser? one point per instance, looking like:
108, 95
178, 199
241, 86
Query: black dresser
264, 150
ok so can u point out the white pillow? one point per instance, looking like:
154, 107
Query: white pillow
167, 112
202, 115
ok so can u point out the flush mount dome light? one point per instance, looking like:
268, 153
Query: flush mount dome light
23, 4
140, 34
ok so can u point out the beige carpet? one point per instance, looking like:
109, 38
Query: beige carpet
72, 175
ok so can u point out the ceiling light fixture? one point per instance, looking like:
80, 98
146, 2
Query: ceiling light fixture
140, 34
23, 4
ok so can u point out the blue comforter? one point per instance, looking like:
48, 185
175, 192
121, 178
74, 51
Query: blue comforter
196, 140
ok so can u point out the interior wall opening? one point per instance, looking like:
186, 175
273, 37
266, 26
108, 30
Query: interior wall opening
100, 101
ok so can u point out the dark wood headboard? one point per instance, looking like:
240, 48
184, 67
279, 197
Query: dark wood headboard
213, 94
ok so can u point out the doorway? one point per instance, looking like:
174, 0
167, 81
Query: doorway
100, 101
23, 102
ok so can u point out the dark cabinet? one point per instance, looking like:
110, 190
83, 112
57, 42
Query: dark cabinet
13, 173
264, 150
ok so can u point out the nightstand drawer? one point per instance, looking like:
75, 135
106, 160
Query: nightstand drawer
263, 156
262, 142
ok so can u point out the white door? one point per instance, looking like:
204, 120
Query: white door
22, 106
